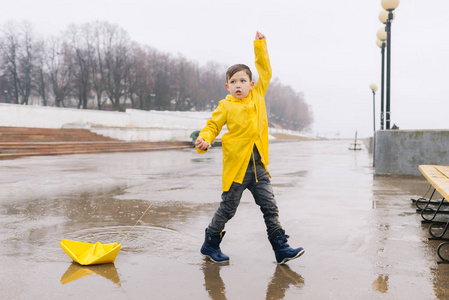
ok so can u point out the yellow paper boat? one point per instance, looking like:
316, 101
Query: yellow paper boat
90, 254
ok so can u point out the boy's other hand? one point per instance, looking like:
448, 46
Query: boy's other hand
202, 144
259, 36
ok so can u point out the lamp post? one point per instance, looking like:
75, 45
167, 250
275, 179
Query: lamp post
382, 45
381, 37
381, 42
389, 6
373, 88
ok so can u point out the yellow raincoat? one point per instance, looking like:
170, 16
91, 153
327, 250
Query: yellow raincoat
247, 123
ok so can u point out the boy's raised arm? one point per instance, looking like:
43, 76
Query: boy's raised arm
262, 63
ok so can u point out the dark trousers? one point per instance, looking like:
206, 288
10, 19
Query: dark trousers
262, 193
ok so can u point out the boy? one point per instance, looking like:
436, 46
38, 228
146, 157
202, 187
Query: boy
245, 155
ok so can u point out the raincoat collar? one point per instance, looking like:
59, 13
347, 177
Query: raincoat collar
233, 99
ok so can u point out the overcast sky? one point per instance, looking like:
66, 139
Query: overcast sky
325, 49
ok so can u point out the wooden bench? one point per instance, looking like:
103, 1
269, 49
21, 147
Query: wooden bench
438, 177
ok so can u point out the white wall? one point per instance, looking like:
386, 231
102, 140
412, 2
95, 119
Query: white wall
131, 125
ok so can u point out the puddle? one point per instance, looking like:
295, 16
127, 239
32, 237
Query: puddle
329, 201
134, 239
76, 271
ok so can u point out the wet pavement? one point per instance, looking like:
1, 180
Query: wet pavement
362, 236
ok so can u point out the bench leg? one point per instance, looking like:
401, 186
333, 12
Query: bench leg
423, 199
439, 249
439, 237
427, 202
426, 209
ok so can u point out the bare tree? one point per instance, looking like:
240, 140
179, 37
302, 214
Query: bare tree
4, 89
100, 59
59, 69
287, 107
185, 80
163, 88
80, 39
211, 86
141, 77
40, 73
10, 47
113, 49
97, 80
17, 54
26, 62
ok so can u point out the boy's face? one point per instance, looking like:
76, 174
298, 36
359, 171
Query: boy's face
239, 85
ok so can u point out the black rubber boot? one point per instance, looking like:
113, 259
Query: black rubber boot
211, 247
282, 250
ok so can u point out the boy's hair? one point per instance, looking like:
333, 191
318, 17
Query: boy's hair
237, 68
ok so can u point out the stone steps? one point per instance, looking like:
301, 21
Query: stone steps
19, 142
20, 134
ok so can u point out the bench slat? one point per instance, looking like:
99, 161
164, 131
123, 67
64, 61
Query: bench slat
438, 177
